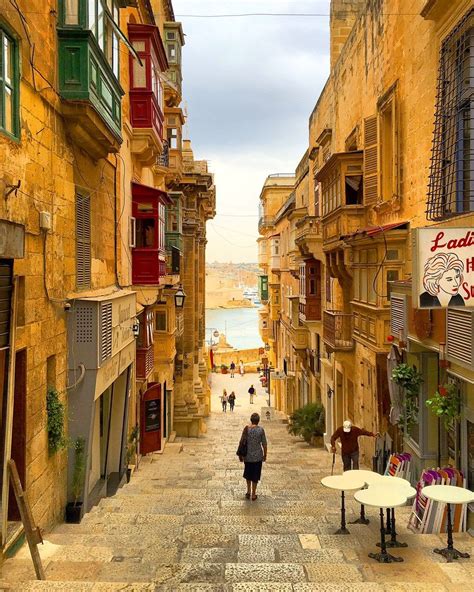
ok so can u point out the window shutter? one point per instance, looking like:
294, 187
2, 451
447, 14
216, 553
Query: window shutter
370, 160
83, 242
460, 336
105, 331
398, 316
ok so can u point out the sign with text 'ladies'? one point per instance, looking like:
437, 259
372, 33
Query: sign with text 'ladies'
443, 267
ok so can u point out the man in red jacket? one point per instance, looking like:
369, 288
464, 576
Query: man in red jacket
349, 436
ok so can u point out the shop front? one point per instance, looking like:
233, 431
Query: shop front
101, 361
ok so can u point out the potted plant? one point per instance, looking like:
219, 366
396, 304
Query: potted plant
446, 403
224, 368
409, 379
308, 422
74, 509
132, 451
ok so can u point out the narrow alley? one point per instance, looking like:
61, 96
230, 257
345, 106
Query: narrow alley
183, 524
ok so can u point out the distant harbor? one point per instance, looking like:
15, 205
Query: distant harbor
240, 326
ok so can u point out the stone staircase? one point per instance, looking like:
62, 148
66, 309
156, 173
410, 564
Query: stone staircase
182, 524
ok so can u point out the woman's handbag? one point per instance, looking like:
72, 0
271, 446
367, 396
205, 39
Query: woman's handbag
242, 449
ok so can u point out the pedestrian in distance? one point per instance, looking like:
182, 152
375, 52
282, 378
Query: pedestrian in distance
232, 400
224, 400
252, 451
241, 368
349, 436
251, 393
232, 369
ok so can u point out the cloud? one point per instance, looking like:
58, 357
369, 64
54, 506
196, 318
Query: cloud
250, 85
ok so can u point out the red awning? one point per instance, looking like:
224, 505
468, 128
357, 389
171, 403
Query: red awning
373, 230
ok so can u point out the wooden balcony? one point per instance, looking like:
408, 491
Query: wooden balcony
341, 222
337, 330
145, 362
308, 235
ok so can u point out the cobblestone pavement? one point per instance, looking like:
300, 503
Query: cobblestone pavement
183, 524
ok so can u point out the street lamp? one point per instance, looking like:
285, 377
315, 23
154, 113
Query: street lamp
179, 297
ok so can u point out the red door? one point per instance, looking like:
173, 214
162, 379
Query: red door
151, 419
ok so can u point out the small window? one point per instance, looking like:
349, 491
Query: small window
160, 321
146, 233
392, 255
354, 190
172, 135
172, 52
171, 35
8, 85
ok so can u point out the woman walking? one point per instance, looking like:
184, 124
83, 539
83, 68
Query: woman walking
232, 400
256, 442
224, 400
241, 368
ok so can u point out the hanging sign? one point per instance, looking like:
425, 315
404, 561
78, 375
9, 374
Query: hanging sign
443, 267
152, 415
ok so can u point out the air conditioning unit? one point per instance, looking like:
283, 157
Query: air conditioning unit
90, 333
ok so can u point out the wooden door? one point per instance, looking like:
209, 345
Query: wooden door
151, 419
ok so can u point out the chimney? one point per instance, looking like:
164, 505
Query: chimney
344, 14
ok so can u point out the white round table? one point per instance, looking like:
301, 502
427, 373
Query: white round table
449, 494
369, 478
388, 483
383, 498
343, 483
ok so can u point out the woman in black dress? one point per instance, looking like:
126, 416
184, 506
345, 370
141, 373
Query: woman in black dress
256, 455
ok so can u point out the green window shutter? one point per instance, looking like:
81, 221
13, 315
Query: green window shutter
83, 242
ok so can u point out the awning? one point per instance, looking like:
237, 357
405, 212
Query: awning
371, 231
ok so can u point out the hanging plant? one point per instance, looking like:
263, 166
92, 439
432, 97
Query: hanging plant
408, 378
446, 403
55, 422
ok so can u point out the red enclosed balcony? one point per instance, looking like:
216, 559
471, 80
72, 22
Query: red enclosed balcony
146, 92
148, 234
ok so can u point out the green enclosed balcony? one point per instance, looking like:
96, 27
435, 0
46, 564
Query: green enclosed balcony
88, 39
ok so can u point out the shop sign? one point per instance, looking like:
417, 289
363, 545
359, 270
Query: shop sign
152, 415
443, 267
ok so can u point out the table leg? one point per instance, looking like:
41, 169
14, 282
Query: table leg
388, 529
393, 539
450, 552
383, 556
343, 529
362, 519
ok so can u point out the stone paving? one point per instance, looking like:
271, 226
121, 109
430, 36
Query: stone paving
183, 525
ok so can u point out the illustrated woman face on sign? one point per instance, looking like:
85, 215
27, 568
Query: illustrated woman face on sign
442, 279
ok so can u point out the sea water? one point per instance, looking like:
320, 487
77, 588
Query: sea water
240, 326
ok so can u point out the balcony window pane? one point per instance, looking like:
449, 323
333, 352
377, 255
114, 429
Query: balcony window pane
115, 55
100, 26
146, 235
8, 110
139, 74
145, 208
92, 15
71, 12
7, 60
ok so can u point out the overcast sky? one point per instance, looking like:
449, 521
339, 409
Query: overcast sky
250, 85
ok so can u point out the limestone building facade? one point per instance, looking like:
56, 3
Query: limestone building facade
92, 222
387, 157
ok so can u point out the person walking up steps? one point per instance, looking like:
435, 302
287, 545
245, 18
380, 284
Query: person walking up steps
224, 400
251, 392
232, 400
349, 436
232, 369
254, 440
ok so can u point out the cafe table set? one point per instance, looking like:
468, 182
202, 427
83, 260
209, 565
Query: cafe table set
387, 493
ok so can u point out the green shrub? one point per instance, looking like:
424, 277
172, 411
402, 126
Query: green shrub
307, 422
55, 421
